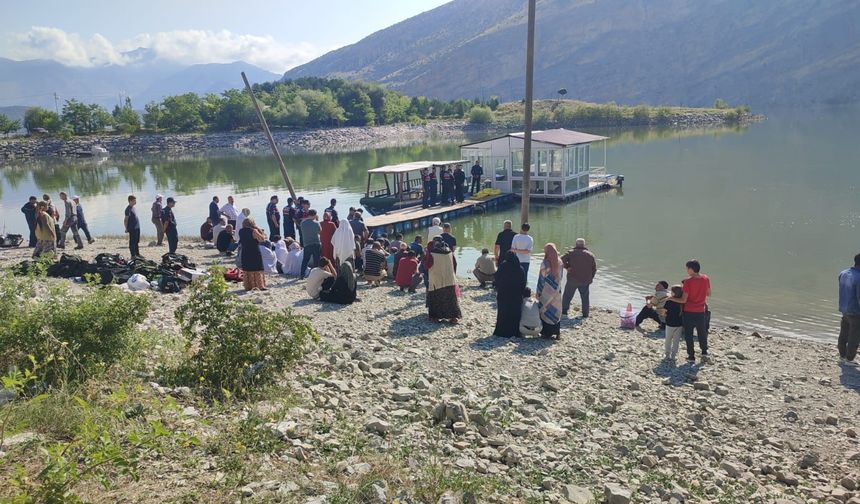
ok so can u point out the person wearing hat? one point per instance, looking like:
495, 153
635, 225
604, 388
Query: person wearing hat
168, 220
157, 208
132, 226
82, 222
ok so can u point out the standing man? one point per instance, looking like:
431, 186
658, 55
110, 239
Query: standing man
849, 305
332, 211
54, 213
289, 214
157, 210
459, 184
311, 234
82, 222
132, 227
503, 240
447, 186
214, 210
434, 187
522, 244
230, 211
447, 237
425, 185
477, 172
46, 231
70, 221
273, 217
581, 268
29, 211
168, 220
697, 289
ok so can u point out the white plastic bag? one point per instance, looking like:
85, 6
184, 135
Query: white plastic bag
138, 282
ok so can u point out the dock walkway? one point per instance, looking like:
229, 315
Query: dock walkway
407, 219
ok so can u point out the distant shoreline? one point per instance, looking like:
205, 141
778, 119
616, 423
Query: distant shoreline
345, 139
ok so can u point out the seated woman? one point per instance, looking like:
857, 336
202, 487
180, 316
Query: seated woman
319, 276
407, 272
270, 262
530, 322
342, 290
225, 242
292, 264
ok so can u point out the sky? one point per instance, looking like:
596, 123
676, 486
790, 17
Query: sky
275, 35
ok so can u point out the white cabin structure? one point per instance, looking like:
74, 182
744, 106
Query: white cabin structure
561, 162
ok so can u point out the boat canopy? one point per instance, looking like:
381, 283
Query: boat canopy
415, 166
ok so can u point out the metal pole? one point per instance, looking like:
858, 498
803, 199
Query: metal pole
269, 137
527, 147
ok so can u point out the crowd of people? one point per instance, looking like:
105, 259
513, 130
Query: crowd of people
47, 232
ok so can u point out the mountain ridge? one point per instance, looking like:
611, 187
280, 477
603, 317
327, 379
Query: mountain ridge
630, 51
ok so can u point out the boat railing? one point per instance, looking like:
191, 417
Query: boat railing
378, 192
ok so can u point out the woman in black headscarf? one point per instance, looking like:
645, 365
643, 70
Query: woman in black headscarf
510, 282
340, 290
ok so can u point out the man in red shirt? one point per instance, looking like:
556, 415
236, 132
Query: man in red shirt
697, 289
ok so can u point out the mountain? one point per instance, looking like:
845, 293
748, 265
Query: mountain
685, 52
34, 82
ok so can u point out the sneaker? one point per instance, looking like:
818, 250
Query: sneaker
79, 247
691, 359
91, 241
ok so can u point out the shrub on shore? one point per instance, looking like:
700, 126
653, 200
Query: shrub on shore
236, 345
72, 336
481, 115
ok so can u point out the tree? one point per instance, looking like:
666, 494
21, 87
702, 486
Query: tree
323, 109
493, 103
480, 115
719, 103
38, 117
152, 113
395, 108
237, 111
85, 118
126, 118
182, 113
8, 125
562, 92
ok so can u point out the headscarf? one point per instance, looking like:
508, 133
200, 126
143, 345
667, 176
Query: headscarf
510, 278
552, 259
347, 275
343, 241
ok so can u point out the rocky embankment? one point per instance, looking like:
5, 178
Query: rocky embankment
336, 139
390, 401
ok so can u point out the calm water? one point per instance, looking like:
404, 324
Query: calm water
772, 211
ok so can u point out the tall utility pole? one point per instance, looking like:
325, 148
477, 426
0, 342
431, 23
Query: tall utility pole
527, 147
269, 137
57, 103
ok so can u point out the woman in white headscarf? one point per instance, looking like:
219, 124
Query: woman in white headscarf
343, 242
245, 213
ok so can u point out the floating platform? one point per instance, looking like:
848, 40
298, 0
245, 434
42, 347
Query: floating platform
416, 217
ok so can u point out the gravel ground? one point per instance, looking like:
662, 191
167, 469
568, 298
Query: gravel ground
597, 414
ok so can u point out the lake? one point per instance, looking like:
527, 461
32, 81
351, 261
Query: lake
772, 210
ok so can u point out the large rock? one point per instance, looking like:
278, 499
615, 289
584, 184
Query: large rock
577, 494
377, 426
616, 494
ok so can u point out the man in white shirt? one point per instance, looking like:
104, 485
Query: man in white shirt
435, 230
522, 245
230, 211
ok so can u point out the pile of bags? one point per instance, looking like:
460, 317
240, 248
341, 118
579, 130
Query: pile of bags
172, 275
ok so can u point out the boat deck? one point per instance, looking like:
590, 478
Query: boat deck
416, 217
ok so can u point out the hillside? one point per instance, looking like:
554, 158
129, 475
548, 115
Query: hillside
34, 82
631, 51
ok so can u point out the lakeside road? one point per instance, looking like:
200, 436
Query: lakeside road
595, 412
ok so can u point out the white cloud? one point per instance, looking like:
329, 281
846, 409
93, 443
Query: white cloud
181, 46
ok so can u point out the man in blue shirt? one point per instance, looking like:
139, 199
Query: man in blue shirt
273, 217
849, 305
82, 222
215, 210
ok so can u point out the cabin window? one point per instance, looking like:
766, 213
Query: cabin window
587, 163
517, 163
555, 163
501, 169
580, 159
543, 163
553, 187
570, 161
536, 187
517, 186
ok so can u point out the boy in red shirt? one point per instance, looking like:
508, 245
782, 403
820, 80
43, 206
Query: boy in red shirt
697, 289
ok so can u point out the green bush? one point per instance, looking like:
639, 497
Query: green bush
480, 115
235, 344
664, 115
72, 336
641, 114
719, 103
563, 115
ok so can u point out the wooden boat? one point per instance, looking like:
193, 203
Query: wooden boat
404, 188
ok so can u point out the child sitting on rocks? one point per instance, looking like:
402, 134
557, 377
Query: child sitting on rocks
530, 324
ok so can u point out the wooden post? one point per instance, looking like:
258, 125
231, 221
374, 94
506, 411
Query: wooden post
269, 137
527, 147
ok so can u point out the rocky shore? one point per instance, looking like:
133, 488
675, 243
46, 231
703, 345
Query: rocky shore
319, 140
390, 401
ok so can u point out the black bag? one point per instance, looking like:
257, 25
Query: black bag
169, 284
11, 240
176, 261
145, 267
110, 260
69, 266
